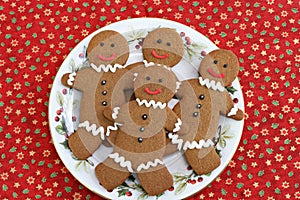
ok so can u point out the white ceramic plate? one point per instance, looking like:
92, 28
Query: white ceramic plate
64, 114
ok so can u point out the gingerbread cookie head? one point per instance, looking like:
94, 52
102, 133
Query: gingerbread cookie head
108, 47
156, 82
220, 65
164, 46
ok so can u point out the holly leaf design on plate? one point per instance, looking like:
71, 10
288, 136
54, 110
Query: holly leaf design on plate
180, 188
225, 135
65, 144
143, 196
231, 89
59, 98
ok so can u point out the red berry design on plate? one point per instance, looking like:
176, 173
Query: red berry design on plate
64, 91
171, 189
74, 118
203, 53
56, 118
200, 179
58, 112
189, 167
235, 100
137, 46
81, 55
128, 193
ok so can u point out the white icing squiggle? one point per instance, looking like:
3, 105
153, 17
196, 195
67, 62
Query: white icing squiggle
190, 145
135, 75
121, 160
106, 68
211, 84
177, 125
233, 110
100, 130
152, 103
149, 164
178, 83
175, 140
150, 64
127, 163
71, 78
115, 112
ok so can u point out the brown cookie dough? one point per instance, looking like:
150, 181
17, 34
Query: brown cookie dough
107, 53
140, 142
201, 102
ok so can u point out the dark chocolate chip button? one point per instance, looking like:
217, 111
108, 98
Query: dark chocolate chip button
201, 97
198, 106
104, 92
103, 82
195, 114
142, 129
104, 103
140, 139
144, 116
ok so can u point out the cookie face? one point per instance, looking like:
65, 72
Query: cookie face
155, 83
164, 46
108, 47
220, 65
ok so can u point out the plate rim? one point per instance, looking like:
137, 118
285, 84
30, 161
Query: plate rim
165, 22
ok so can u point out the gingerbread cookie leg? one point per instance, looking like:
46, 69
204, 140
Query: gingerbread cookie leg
200, 164
83, 143
152, 181
110, 174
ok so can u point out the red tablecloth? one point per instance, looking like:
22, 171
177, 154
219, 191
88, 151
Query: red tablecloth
36, 36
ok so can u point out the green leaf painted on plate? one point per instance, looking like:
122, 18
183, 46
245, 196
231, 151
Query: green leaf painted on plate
59, 98
180, 188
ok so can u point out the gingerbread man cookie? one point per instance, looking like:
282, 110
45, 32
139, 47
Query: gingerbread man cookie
107, 54
201, 101
162, 46
140, 142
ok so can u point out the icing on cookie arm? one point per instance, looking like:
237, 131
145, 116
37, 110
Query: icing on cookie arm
232, 110
108, 112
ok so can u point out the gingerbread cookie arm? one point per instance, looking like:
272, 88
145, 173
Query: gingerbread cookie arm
108, 112
177, 109
173, 122
231, 109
